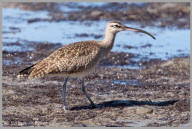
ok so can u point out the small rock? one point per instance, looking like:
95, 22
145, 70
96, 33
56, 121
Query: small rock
20, 123
96, 13
170, 94
143, 110
7, 92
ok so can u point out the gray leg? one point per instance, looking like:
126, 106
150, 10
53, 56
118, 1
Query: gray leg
84, 91
64, 93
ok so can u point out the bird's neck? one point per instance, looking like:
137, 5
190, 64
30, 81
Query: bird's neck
108, 41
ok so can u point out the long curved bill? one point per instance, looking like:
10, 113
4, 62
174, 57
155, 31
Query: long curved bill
139, 30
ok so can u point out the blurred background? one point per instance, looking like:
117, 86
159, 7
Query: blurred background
46, 26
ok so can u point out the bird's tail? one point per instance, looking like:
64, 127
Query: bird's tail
25, 72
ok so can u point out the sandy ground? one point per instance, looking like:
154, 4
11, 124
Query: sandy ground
154, 96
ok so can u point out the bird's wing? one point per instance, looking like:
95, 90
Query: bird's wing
69, 59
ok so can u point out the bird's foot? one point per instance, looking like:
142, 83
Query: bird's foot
64, 108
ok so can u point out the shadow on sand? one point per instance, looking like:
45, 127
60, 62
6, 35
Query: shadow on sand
126, 103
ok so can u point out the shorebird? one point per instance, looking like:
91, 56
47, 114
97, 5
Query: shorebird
77, 59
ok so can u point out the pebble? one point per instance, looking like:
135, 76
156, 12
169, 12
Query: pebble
96, 13
143, 110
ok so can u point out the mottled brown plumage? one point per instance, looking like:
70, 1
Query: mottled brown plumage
69, 60
77, 59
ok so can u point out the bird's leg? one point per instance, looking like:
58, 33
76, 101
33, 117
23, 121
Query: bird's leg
84, 91
64, 93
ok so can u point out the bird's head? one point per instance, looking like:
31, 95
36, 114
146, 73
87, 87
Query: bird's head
114, 27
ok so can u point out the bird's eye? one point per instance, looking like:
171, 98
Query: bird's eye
117, 26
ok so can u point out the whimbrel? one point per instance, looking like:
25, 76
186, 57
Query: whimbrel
77, 59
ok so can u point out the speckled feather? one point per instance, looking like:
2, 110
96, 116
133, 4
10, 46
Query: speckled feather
78, 59
69, 59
